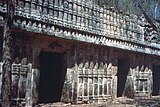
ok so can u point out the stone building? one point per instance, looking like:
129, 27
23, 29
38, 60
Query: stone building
75, 51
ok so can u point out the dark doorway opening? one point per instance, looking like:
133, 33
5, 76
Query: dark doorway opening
51, 77
123, 68
156, 79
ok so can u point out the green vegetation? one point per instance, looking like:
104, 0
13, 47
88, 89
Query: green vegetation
152, 7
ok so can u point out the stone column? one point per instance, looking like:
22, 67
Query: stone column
35, 75
50, 10
70, 14
74, 19
39, 9
33, 8
45, 10
114, 82
27, 8
20, 9
56, 3
114, 86
55, 15
65, 17
29, 86
61, 16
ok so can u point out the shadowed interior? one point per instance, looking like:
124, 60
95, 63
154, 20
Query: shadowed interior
122, 76
51, 80
156, 80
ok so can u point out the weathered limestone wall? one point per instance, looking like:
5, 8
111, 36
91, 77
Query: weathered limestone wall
88, 69
91, 70
140, 75
21, 48
41, 43
90, 58
1, 43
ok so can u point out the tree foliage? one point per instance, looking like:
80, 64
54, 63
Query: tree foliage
152, 7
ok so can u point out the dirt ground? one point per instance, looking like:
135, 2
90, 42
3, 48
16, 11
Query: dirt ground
119, 102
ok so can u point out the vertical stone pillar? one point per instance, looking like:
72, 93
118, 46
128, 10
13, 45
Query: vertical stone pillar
75, 7
50, 10
118, 24
90, 18
20, 9
127, 26
70, 18
35, 85
39, 9
61, 4
33, 8
67, 92
114, 87
78, 21
115, 23
45, 10
75, 85
65, 17
27, 8
29, 86
34, 77
98, 19
101, 19
55, 15
94, 19
56, 3
150, 82
61, 16
114, 81
105, 20
75, 20
70, 14
86, 17
135, 27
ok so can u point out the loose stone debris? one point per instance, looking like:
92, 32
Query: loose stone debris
119, 102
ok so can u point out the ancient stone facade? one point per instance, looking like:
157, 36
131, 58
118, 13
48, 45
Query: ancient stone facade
75, 51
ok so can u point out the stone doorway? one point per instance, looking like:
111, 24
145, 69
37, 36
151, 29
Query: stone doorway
123, 68
156, 79
51, 77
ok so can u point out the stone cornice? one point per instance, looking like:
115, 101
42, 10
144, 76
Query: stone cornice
71, 34
50, 25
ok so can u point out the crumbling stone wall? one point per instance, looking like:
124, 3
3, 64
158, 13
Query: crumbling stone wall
90, 67
21, 48
90, 64
93, 58
1, 43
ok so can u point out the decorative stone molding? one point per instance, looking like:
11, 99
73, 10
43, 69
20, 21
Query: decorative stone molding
53, 30
78, 20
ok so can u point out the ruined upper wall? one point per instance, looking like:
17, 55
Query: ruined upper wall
82, 20
83, 15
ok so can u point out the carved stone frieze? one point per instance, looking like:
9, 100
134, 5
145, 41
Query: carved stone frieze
91, 24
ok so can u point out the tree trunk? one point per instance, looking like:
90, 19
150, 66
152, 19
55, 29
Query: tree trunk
6, 57
147, 17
